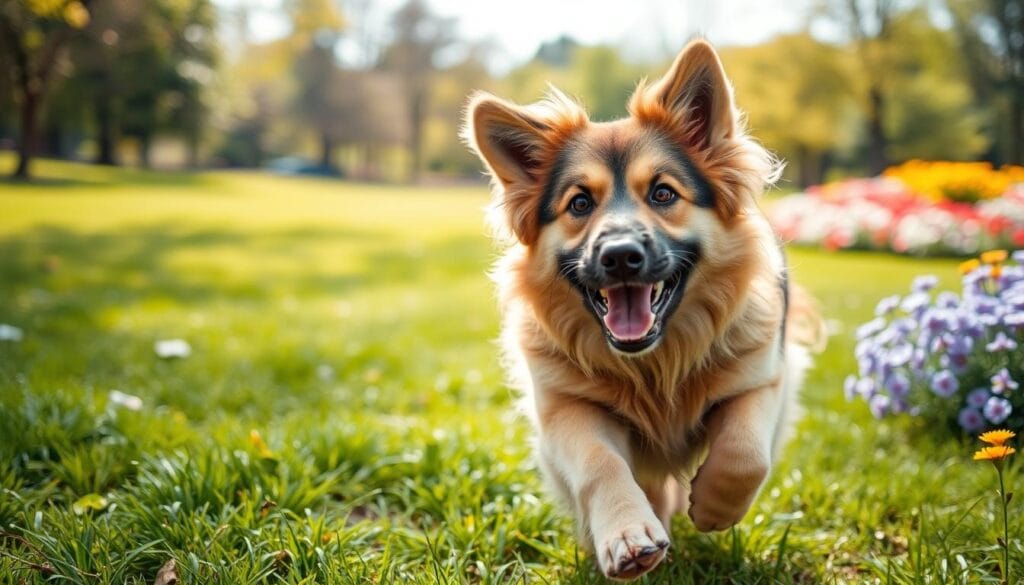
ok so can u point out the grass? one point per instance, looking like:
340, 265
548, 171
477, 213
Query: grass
342, 418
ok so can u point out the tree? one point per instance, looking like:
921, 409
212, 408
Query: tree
798, 97
991, 34
868, 28
316, 25
930, 109
139, 69
419, 36
34, 34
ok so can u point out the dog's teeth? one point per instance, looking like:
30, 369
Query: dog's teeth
656, 293
604, 295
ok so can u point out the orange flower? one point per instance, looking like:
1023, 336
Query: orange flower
994, 256
995, 453
997, 437
968, 266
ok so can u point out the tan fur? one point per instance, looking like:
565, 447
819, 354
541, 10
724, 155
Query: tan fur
630, 440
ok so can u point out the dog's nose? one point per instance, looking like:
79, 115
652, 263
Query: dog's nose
622, 259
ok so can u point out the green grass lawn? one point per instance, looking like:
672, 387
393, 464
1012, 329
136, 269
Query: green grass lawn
342, 417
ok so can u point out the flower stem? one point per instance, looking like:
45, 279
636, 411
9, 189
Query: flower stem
1006, 527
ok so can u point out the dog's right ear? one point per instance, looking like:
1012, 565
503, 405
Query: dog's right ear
518, 144
509, 140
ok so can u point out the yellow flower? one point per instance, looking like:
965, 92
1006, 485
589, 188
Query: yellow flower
995, 453
997, 437
260, 445
994, 256
969, 266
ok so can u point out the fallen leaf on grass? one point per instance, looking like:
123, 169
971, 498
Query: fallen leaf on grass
168, 574
125, 400
10, 333
172, 348
89, 502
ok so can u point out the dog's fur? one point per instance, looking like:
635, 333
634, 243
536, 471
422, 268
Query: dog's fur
689, 417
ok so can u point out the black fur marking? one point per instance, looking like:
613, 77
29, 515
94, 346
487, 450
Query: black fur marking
704, 195
674, 265
617, 160
553, 187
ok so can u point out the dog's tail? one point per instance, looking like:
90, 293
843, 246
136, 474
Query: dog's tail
804, 324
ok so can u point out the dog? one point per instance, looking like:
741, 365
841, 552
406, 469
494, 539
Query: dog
647, 313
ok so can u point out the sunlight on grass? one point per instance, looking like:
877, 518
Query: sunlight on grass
351, 326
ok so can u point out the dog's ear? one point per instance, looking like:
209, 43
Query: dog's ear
517, 144
696, 92
508, 139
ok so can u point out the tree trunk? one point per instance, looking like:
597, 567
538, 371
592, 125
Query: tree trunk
144, 150
326, 147
877, 160
416, 115
1015, 152
107, 140
29, 130
805, 167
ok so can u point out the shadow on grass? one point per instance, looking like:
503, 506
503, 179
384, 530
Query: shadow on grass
132, 264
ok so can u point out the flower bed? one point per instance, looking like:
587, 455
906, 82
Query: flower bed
955, 360
917, 208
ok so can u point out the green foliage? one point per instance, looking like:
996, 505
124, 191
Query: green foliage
351, 326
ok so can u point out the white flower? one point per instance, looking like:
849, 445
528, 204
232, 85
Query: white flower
10, 333
172, 348
125, 400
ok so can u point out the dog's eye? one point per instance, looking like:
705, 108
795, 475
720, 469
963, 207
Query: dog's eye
663, 195
581, 204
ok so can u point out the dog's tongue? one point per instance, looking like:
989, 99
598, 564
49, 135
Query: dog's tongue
629, 312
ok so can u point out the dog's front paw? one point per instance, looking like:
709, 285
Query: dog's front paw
721, 493
632, 550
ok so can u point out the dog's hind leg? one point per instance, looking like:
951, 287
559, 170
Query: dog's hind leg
668, 497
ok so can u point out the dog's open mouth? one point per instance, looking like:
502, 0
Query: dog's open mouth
632, 313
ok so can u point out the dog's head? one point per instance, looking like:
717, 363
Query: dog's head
626, 212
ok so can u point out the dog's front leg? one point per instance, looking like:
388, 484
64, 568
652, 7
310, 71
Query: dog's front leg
587, 452
741, 431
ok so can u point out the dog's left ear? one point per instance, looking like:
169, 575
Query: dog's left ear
697, 94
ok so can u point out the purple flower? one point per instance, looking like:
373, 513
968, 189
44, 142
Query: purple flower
917, 361
898, 385
850, 387
870, 328
1001, 343
904, 326
887, 305
961, 346
879, 405
945, 384
1015, 320
1002, 382
914, 302
978, 397
997, 409
956, 361
866, 387
970, 420
1018, 256
947, 300
970, 325
936, 321
898, 405
924, 283
900, 354
941, 343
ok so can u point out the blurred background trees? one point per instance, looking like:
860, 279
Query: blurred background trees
352, 88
